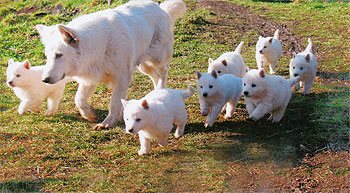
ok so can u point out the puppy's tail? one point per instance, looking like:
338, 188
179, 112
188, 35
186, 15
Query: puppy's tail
239, 48
175, 8
293, 81
189, 92
277, 34
309, 47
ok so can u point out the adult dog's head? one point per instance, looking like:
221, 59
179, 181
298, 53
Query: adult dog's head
61, 50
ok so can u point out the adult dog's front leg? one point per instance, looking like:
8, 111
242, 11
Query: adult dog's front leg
83, 94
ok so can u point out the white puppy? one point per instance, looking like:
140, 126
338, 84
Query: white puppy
153, 116
106, 46
265, 93
268, 51
27, 85
304, 65
229, 63
215, 91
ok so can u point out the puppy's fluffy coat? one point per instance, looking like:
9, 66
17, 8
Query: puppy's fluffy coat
268, 51
229, 63
215, 91
304, 65
153, 116
265, 93
27, 85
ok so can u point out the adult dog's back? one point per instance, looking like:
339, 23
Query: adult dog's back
106, 46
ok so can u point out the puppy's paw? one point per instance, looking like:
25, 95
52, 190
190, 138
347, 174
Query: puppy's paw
142, 152
254, 118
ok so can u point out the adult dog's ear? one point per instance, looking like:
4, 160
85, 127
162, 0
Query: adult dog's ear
69, 36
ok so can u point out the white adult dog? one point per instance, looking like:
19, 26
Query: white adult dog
215, 92
28, 87
229, 63
265, 93
153, 116
304, 65
107, 45
268, 51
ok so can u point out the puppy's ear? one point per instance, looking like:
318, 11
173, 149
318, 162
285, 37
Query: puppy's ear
69, 36
144, 104
224, 62
294, 54
262, 73
270, 40
26, 64
124, 102
307, 57
210, 61
213, 73
41, 28
10, 62
260, 37
199, 74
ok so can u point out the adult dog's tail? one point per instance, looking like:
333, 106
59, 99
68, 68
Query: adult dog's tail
175, 8
189, 92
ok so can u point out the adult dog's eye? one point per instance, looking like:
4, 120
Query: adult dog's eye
210, 86
138, 120
58, 55
253, 85
18, 75
301, 68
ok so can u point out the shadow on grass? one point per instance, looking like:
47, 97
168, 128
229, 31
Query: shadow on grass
298, 133
23, 185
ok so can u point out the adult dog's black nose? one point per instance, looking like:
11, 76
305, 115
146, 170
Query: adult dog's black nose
205, 94
130, 130
47, 80
246, 93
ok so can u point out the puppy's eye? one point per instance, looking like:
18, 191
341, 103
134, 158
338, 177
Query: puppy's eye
253, 85
18, 75
138, 120
265, 47
244, 84
201, 86
219, 71
301, 68
210, 86
293, 67
58, 55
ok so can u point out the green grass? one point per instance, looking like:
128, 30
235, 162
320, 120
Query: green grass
63, 153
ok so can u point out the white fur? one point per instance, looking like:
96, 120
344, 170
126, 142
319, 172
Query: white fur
28, 87
265, 93
153, 116
229, 63
216, 91
268, 51
304, 65
107, 45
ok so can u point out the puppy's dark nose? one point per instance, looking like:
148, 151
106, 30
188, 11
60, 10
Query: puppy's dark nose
295, 75
246, 93
260, 51
205, 94
131, 130
47, 80
10, 83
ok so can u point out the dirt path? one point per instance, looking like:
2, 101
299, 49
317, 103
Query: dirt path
244, 19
